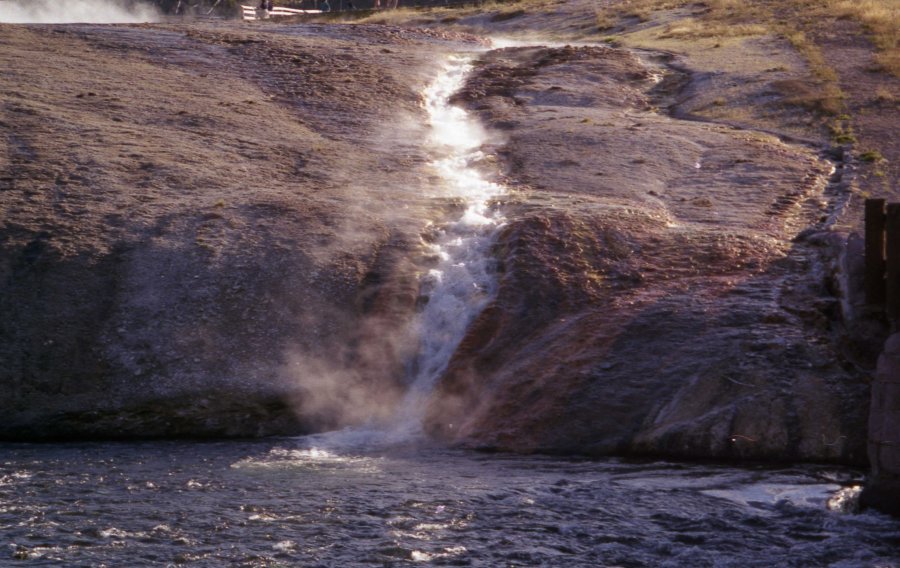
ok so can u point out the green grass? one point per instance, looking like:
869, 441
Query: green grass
871, 156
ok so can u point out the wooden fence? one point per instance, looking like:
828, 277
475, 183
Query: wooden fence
250, 13
882, 279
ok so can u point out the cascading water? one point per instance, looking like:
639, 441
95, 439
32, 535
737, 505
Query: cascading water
461, 282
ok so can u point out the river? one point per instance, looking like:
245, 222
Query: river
314, 502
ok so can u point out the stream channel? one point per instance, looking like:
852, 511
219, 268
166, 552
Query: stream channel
386, 496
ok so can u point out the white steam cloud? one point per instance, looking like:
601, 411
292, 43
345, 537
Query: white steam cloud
75, 11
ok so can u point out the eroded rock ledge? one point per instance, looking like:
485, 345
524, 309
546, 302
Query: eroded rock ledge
213, 230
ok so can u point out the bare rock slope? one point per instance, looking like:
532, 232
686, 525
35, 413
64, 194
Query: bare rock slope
214, 229
207, 228
667, 285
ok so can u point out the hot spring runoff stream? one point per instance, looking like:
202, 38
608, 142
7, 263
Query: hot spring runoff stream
386, 497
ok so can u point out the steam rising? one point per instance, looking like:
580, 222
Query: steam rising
75, 11
458, 285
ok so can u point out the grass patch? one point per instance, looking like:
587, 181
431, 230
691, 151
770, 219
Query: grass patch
822, 98
503, 16
496, 10
842, 134
403, 15
810, 52
604, 20
885, 97
748, 18
871, 156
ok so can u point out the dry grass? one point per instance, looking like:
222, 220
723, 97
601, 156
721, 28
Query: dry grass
744, 18
604, 20
810, 52
885, 96
642, 9
633, 6
748, 17
691, 28
822, 98
719, 18
501, 10
403, 16
882, 19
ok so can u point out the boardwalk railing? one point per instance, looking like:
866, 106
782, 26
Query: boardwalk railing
250, 13
883, 256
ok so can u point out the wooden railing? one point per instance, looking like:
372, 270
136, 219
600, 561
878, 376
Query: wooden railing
250, 13
883, 256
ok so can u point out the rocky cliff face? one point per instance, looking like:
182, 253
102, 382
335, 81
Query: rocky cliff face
655, 297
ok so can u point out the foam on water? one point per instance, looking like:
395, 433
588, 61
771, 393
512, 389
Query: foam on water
267, 502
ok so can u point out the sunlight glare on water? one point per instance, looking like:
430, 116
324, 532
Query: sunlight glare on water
455, 141
451, 125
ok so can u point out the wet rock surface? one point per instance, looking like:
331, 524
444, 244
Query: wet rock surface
883, 489
655, 296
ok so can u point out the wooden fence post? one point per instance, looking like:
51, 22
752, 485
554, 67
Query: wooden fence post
892, 248
875, 265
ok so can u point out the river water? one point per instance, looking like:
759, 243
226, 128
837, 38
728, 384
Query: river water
309, 502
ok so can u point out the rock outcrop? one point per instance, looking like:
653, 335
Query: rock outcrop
882, 490
667, 285
214, 230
